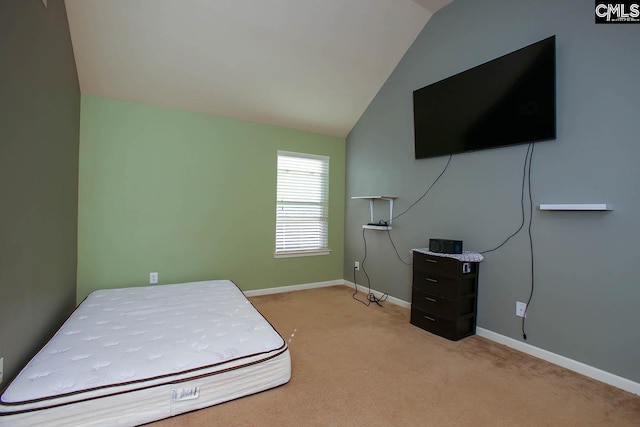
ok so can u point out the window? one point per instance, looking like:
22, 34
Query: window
302, 204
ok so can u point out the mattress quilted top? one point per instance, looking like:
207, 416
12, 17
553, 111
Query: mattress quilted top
120, 336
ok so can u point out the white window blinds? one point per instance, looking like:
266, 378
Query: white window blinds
302, 204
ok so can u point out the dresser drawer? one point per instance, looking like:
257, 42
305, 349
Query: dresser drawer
442, 286
443, 307
450, 329
443, 266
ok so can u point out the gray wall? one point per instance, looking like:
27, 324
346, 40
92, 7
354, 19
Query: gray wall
587, 292
39, 134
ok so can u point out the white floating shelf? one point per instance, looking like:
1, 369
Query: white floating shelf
575, 207
375, 197
377, 227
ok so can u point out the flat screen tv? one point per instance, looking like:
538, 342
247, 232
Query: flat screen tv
509, 100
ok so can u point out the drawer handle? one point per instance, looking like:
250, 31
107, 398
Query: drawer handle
431, 280
432, 260
430, 318
430, 299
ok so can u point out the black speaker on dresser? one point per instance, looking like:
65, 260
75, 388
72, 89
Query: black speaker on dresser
445, 246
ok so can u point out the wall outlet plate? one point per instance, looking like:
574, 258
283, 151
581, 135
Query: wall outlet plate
521, 309
153, 278
357, 266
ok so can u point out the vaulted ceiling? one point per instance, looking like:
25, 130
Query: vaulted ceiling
313, 65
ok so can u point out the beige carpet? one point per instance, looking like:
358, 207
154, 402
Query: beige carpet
368, 366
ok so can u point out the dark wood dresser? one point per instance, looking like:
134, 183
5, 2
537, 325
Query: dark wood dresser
444, 295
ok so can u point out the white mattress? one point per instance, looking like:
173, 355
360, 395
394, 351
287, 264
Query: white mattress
134, 355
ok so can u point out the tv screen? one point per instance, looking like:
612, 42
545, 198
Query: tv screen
509, 100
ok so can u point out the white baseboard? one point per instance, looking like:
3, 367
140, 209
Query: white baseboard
302, 287
556, 359
292, 288
378, 294
565, 362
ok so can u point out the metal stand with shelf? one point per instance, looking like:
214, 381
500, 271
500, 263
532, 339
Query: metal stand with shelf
386, 225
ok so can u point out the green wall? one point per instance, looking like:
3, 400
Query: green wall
191, 196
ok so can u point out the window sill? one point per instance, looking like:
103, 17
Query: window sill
293, 254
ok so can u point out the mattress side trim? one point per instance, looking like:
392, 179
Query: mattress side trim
177, 381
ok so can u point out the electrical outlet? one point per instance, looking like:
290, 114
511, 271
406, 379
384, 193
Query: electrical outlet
357, 266
1, 369
153, 278
521, 309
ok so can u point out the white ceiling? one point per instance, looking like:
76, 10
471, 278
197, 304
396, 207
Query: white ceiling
313, 65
